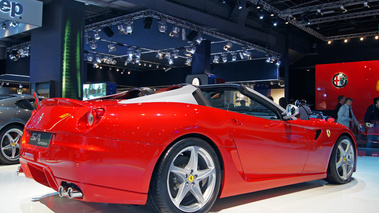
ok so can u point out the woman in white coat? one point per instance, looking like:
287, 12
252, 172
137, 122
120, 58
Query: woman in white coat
345, 114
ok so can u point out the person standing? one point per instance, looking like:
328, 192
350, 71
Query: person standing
304, 110
372, 113
283, 102
341, 102
346, 116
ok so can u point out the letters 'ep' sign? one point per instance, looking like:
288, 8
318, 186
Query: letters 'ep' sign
11, 7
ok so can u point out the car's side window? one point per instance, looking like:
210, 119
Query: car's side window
24, 104
234, 100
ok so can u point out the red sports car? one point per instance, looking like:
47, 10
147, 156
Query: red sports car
181, 149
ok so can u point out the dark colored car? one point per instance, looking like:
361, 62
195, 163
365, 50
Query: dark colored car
15, 111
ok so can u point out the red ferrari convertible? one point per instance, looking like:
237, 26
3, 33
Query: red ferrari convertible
179, 150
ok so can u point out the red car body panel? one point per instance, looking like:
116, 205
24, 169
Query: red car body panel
113, 161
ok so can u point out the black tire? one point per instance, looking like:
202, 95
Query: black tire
160, 197
338, 160
6, 155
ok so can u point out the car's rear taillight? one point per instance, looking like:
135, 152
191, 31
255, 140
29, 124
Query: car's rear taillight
94, 116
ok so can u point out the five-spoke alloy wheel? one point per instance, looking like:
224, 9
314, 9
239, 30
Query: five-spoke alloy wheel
187, 179
342, 162
9, 144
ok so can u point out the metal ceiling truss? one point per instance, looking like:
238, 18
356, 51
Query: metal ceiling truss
288, 14
288, 18
354, 35
18, 46
180, 23
325, 6
344, 16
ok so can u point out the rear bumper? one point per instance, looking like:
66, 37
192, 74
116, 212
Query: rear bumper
92, 193
105, 170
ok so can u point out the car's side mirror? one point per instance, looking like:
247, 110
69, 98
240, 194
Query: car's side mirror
291, 112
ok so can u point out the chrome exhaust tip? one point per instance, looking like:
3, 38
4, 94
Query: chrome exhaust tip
19, 170
62, 192
72, 193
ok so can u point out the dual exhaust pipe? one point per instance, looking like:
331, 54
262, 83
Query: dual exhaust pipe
70, 193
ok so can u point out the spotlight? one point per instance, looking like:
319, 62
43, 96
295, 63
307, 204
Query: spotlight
272, 14
175, 54
128, 72
188, 61
365, 4
286, 22
199, 39
224, 1
162, 27
144, 64
261, 14
278, 63
246, 53
100, 67
111, 48
191, 49
330, 42
129, 27
98, 59
96, 35
95, 66
159, 55
4, 26
126, 63
224, 58
240, 6
216, 59
130, 52
89, 57
361, 38
228, 46
175, 31
376, 37
268, 59
14, 24
343, 9
150, 65
345, 40
117, 70
234, 57
93, 45
319, 12
170, 61
122, 28
14, 55
138, 61
275, 22
157, 66
241, 55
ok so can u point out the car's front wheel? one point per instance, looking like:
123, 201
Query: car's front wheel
187, 179
342, 161
9, 144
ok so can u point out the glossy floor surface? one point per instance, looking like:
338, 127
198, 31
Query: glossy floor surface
19, 194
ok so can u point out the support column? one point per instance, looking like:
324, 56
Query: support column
201, 60
56, 62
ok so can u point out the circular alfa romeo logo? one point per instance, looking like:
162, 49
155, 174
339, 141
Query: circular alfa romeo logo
339, 80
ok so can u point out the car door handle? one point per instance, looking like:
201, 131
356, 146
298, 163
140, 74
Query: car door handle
236, 122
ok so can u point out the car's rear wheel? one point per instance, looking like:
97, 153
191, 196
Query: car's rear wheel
187, 179
9, 144
342, 161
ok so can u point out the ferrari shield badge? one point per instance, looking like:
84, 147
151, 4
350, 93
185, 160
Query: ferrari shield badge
339, 80
328, 133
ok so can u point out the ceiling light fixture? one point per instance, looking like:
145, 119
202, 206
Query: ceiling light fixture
224, 58
111, 48
330, 41
162, 27
345, 40
376, 37
228, 46
216, 59
343, 9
